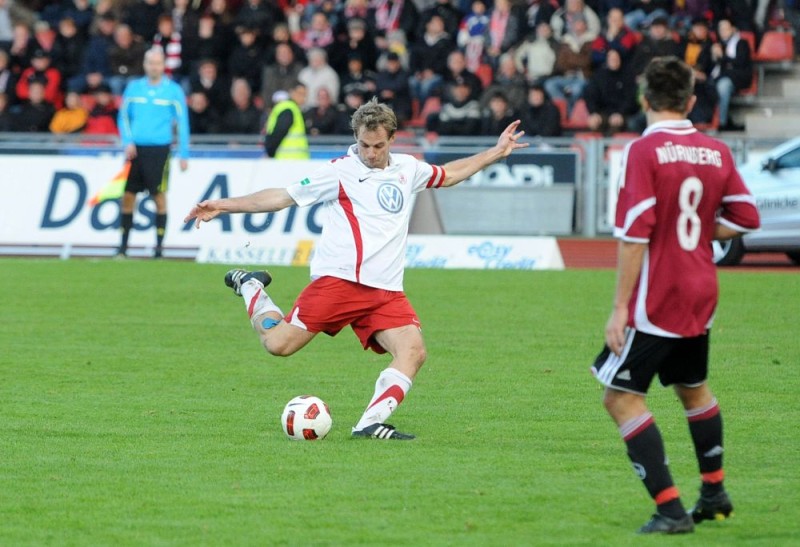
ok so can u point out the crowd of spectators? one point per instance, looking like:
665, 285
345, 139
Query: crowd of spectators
65, 63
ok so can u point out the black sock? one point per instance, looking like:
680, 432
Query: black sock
161, 228
126, 223
646, 452
705, 426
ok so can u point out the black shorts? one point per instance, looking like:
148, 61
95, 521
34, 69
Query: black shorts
149, 170
676, 361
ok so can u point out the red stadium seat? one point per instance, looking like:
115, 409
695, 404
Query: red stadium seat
485, 74
776, 51
432, 105
579, 117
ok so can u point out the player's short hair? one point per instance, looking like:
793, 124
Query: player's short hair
668, 84
373, 115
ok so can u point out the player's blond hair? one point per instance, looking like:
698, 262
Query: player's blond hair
373, 115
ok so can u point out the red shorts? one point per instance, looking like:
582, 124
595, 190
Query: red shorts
329, 304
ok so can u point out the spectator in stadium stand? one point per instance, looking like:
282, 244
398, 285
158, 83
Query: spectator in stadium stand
610, 96
356, 9
460, 114
392, 87
6, 27
541, 117
642, 13
72, 117
245, 59
203, 119
322, 119
8, 81
733, 69
210, 82
358, 78
41, 71
22, 47
280, 75
696, 46
280, 36
318, 35
153, 110
286, 128
510, 81
319, 74
352, 101
355, 42
33, 115
68, 47
506, 29
738, 12
242, 117
473, 35
261, 15
536, 56
185, 21
499, 114
210, 42
572, 8
95, 67
457, 71
386, 16
573, 63
125, 59
540, 11
170, 40
429, 60
616, 35
81, 12
658, 42
225, 24
142, 16
684, 15
6, 119
103, 114
451, 16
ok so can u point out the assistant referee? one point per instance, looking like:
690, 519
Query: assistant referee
152, 108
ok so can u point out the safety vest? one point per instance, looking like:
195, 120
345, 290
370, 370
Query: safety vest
294, 145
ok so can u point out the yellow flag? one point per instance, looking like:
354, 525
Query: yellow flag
113, 188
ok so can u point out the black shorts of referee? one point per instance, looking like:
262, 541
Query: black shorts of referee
149, 170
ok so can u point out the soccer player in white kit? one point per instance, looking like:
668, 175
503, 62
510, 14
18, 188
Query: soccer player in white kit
357, 268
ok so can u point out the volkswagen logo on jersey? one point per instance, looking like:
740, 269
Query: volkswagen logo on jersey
390, 198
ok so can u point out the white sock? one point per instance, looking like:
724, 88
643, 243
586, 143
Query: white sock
256, 300
390, 390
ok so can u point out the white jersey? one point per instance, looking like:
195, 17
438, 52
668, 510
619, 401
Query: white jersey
365, 216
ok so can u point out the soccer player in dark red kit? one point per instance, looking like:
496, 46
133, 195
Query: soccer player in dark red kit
679, 191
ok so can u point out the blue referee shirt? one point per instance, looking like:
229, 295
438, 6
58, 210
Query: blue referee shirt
150, 112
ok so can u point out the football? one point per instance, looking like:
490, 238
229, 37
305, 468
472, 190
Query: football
306, 418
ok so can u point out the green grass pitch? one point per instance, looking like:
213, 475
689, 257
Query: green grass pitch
138, 408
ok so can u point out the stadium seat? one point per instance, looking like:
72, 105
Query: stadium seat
579, 117
561, 104
485, 74
776, 51
432, 105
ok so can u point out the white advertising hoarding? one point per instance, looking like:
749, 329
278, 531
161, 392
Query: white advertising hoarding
45, 202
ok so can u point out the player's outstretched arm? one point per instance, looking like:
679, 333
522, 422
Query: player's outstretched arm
264, 201
462, 169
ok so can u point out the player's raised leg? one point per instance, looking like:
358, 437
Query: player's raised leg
277, 337
705, 426
407, 348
